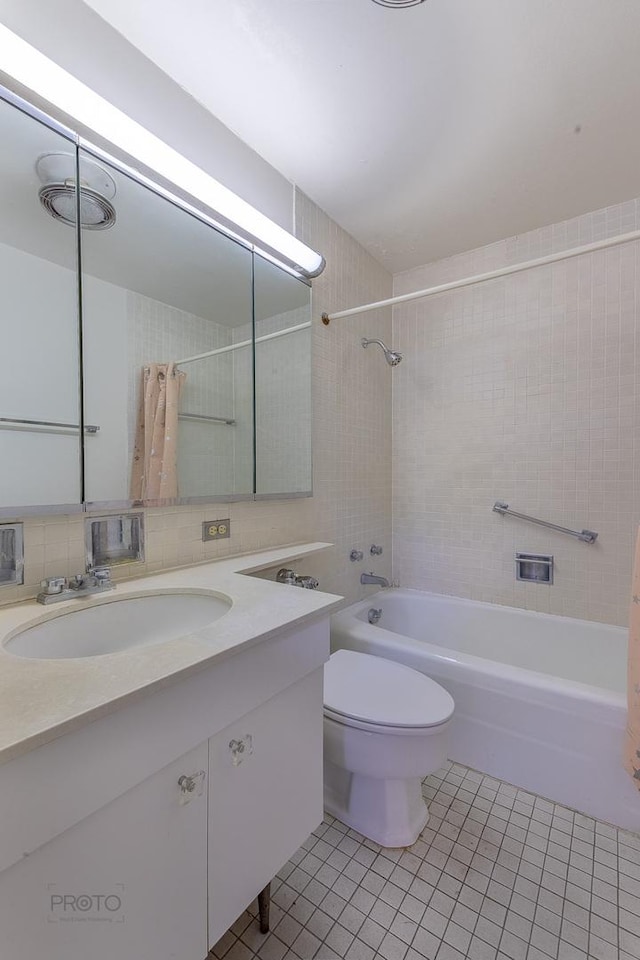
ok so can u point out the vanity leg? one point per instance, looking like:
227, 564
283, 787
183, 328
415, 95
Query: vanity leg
264, 902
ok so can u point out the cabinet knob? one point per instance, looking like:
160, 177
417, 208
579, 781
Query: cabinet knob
240, 749
191, 786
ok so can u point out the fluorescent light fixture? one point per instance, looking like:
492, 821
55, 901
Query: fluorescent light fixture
45, 78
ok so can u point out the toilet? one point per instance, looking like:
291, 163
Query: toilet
385, 728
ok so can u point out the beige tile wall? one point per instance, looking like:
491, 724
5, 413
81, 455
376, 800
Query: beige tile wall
525, 389
352, 452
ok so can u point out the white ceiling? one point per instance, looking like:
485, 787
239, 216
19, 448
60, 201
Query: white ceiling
423, 131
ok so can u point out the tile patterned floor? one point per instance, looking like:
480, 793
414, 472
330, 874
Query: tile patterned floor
497, 874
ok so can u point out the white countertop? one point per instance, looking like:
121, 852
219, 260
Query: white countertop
41, 700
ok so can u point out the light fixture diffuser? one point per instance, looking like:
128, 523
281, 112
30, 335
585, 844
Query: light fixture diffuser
36, 72
398, 3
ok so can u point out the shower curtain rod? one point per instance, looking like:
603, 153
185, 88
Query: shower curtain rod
244, 343
482, 277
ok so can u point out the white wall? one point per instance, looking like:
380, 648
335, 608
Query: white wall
524, 389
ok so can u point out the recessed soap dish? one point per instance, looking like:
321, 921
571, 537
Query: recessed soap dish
11, 554
115, 539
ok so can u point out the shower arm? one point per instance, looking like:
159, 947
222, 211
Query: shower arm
366, 341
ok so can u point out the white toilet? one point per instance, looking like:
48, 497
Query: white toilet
385, 729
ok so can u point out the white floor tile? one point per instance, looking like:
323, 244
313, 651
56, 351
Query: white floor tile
498, 874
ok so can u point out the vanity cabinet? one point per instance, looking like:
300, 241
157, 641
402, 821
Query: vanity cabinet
144, 834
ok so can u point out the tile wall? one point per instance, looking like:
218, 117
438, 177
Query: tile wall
524, 389
352, 451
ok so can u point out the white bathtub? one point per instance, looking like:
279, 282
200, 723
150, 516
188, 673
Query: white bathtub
540, 700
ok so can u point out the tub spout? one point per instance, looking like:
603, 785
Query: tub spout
372, 578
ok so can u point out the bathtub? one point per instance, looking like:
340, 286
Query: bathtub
540, 700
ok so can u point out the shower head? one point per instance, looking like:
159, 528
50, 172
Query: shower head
57, 173
392, 357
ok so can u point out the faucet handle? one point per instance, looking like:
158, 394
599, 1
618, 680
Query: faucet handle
309, 583
285, 575
53, 585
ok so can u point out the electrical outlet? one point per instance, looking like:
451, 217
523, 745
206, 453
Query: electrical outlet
216, 529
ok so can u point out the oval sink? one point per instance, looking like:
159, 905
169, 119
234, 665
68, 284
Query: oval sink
118, 624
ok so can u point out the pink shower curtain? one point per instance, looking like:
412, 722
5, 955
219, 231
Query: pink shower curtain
155, 468
632, 738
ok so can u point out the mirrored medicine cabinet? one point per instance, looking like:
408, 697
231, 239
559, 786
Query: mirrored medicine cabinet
148, 357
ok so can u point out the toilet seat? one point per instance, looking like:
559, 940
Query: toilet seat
370, 692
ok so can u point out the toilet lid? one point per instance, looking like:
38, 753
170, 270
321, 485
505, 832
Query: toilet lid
378, 691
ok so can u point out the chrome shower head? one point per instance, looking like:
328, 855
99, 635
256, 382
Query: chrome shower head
392, 357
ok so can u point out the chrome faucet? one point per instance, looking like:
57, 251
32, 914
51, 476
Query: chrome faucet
285, 575
55, 589
372, 578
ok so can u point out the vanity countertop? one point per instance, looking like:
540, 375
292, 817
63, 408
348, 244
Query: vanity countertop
41, 700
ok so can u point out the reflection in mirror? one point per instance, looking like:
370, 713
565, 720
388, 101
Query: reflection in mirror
164, 296
39, 392
282, 307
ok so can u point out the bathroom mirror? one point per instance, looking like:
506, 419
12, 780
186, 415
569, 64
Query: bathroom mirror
137, 379
40, 443
282, 305
161, 288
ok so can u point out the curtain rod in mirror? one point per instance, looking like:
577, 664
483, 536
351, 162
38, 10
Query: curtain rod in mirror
33, 70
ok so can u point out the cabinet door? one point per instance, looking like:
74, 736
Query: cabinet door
265, 796
282, 306
130, 881
40, 437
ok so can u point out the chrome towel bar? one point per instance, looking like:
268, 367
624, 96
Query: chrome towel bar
205, 419
587, 536
13, 423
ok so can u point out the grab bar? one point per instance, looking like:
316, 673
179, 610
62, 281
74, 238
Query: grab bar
587, 536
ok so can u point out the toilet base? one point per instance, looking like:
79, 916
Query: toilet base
390, 812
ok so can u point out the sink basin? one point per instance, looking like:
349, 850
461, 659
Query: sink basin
118, 624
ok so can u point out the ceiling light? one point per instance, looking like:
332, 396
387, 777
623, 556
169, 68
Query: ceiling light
45, 78
398, 3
